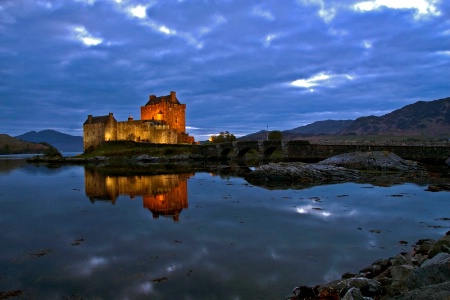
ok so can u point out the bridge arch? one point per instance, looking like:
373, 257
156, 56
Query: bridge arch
242, 152
225, 151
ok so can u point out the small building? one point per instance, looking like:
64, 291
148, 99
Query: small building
163, 121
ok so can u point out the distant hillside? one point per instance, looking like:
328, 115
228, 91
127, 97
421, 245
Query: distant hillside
322, 127
62, 141
11, 145
430, 119
257, 136
425, 119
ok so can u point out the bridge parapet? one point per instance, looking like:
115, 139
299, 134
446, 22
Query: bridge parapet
306, 152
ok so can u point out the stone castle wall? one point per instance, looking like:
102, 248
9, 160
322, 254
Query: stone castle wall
141, 131
172, 114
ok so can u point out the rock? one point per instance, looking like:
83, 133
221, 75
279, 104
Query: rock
147, 158
422, 273
368, 287
304, 292
435, 291
425, 245
438, 187
399, 275
442, 245
302, 174
328, 294
398, 260
355, 294
433, 271
376, 160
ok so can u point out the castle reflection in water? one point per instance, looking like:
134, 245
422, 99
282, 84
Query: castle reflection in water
163, 195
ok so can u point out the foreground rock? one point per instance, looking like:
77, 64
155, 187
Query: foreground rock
350, 167
422, 273
301, 174
373, 161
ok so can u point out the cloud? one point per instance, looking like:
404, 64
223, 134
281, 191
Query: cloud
422, 7
238, 65
325, 12
322, 79
263, 13
138, 11
85, 37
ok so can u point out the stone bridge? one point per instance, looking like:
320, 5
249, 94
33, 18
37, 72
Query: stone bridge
429, 152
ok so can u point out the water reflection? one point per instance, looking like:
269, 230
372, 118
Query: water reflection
163, 195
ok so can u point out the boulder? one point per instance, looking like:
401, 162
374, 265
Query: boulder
355, 294
435, 291
304, 175
433, 271
374, 161
368, 287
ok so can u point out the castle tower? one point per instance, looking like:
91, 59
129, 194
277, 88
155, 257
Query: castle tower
166, 109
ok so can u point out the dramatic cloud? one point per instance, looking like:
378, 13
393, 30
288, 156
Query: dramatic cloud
240, 66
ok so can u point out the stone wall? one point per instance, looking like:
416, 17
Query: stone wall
171, 113
306, 152
141, 131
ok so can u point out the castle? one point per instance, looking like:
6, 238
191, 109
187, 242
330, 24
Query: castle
163, 121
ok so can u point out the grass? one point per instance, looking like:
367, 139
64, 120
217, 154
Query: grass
130, 149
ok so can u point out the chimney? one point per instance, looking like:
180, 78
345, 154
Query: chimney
152, 98
89, 119
173, 96
130, 118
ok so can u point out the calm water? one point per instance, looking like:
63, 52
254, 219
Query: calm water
74, 233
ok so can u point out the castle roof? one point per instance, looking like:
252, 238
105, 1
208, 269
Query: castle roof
97, 120
172, 98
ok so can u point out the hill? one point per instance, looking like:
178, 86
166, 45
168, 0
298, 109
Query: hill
61, 141
11, 145
321, 127
423, 119
430, 119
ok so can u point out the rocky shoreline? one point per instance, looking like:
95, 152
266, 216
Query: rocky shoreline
378, 168
422, 273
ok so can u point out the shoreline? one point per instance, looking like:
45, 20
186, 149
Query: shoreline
421, 273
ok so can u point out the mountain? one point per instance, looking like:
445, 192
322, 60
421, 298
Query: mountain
322, 127
316, 128
62, 141
257, 136
11, 145
429, 119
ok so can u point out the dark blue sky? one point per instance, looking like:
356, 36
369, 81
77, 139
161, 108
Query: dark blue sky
238, 65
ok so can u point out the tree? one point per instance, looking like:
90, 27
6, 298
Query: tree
275, 135
223, 137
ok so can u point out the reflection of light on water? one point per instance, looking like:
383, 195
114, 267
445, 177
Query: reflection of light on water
171, 268
309, 209
146, 288
97, 261
273, 254
301, 210
93, 263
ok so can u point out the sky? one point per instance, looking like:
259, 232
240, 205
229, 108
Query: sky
239, 65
